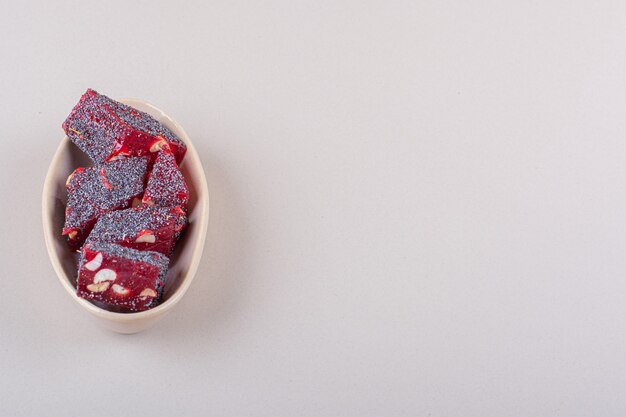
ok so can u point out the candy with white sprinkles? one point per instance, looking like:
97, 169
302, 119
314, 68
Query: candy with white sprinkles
127, 212
123, 277
142, 228
94, 191
166, 185
107, 130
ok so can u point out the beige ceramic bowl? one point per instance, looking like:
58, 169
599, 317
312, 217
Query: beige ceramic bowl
186, 258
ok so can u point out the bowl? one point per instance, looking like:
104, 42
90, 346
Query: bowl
186, 256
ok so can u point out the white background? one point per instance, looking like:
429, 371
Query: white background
417, 208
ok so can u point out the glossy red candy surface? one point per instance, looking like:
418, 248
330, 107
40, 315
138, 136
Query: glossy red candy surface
128, 279
142, 228
126, 213
106, 130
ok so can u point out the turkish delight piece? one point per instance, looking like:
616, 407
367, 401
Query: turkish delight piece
107, 130
115, 275
166, 185
97, 190
142, 228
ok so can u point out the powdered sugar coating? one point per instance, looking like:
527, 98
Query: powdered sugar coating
131, 273
124, 227
166, 185
104, 128
142, 121
96, 190
152, 258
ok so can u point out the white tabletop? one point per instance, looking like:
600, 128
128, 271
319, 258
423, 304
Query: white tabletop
417, 208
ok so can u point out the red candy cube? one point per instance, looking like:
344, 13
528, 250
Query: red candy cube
106, 130
142, 228
127, 278
97, 190
166, 185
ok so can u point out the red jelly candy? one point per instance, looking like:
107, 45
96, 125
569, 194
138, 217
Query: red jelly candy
142, 228
166, 185
97, 190
130, 279
106, 130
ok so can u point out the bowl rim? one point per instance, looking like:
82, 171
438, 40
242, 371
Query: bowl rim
202, 205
